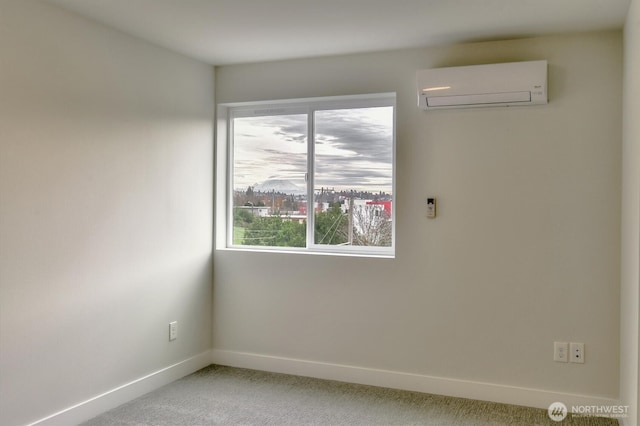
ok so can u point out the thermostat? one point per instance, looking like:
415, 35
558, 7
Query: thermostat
431, 207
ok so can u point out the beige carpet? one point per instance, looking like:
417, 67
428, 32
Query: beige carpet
219, 395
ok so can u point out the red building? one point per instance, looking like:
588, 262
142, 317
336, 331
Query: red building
386, 205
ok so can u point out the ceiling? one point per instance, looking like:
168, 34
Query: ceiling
223, 32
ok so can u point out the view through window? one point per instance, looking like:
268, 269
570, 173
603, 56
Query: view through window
315, 175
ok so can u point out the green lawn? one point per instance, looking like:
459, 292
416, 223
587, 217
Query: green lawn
238, 235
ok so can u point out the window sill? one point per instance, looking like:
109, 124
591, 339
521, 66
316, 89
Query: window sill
293, 251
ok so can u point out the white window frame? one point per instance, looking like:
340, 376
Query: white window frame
226, 112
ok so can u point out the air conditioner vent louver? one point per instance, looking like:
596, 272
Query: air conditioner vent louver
515, 83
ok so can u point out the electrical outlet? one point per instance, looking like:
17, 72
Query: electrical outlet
576, 351
173, 330
560, 351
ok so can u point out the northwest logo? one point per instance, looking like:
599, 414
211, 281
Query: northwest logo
557, 411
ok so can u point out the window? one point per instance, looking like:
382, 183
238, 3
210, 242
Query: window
313, 175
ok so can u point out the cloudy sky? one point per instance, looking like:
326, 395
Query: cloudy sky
353, 149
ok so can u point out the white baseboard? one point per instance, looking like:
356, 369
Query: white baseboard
92, 407
407, 381
345, 373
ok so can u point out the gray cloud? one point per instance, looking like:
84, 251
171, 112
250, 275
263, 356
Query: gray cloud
367, 149
354, 149
349, 130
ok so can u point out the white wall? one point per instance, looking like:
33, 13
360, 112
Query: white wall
525, 251
105, 216
630, 303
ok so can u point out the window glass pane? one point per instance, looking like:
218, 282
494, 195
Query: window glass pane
353, 176
269, 186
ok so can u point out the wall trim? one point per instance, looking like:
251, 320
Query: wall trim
407, 381
97, 405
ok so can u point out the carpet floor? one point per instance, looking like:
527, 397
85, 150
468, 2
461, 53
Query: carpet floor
218, 395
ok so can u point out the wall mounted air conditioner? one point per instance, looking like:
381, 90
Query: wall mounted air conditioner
508, 84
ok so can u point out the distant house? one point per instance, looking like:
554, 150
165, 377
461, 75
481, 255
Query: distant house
260, 211
385, 205
319, 207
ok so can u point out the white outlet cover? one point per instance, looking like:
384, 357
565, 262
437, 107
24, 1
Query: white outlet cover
560, 351
173, 330
576, 351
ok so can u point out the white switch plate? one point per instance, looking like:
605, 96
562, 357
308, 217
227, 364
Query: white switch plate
560, 351
576, 351
173, 330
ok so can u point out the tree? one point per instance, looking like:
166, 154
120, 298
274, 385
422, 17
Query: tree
371, 226
242, 217
275, 231
331, 226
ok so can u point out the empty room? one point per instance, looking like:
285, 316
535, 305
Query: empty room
286, 212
